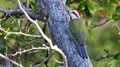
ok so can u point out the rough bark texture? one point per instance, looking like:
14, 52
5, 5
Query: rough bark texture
58, 22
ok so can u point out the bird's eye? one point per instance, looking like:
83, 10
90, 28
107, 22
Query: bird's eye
75, 14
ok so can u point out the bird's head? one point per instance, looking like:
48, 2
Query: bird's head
75, 14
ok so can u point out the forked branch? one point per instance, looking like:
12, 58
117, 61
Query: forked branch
42, 33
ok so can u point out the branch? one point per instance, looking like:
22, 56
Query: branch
43, 35
39, 64
107, 20
18, 33
13, 12
10, 60
33, 48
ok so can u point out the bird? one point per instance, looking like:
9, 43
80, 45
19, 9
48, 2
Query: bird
78, 32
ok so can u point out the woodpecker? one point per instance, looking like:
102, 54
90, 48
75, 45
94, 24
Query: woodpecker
78, 32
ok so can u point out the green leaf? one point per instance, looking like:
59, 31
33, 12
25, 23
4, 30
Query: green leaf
117, 56
1, 33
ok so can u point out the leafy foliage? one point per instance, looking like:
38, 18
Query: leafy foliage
103, 40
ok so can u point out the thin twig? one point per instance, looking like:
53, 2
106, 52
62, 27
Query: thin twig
10, 60
33, 48
59, 62
42, 33
100, 24
19, 33
38, 65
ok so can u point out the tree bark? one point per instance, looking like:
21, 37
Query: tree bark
58, 22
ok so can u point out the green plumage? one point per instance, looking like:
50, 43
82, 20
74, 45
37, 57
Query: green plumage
78, 30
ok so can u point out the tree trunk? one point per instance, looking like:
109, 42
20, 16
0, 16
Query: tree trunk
58, 22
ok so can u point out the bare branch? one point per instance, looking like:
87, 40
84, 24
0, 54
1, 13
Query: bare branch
105, 21
13, 12
33, 48
10, 60
10, 12
19, 33
43, 35
59, 62
46, 59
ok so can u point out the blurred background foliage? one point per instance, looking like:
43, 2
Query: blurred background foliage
103, 25
103, 41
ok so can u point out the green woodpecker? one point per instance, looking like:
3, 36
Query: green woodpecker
78, 32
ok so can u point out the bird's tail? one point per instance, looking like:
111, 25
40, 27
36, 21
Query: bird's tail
83, 51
